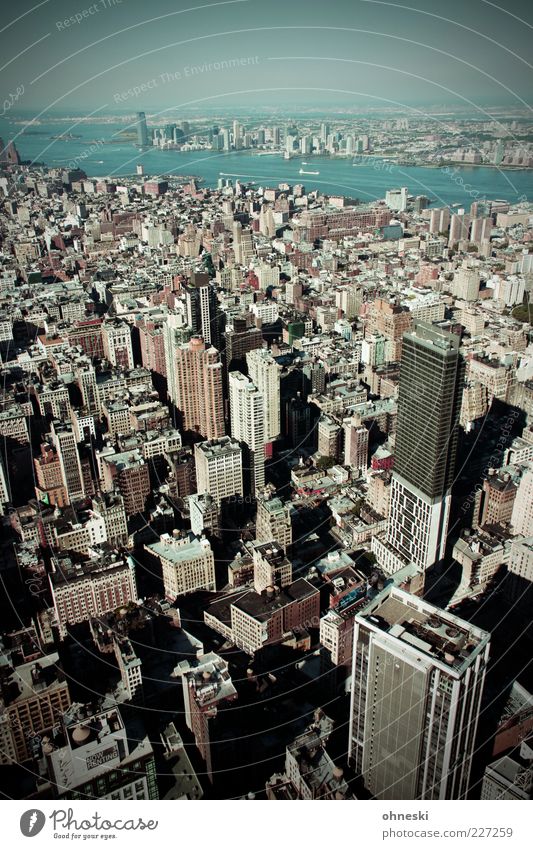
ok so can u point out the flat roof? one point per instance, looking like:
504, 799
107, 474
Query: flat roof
179, 551
261, 607
440, 635
31, 679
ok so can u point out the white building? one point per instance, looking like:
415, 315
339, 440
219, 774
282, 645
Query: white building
188, 564
417, 681
264, 371
116, 336
247, 410
219, 467
397, 198
522, 515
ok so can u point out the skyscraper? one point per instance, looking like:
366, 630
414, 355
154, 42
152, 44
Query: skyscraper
265, 373
431, 374
207, 690
116, 336
195, 384
273, 521
202, 308
142, 130
418, 676
241, 337
247, 408
69, 459
219, 468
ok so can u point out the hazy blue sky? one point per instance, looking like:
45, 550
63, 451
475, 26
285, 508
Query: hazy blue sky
350, 52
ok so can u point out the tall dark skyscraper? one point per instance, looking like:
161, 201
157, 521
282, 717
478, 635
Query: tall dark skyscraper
142, 130
428, 409
202, 308
431, 375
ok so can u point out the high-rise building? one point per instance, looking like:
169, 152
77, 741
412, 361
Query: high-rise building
101, 757
439, 220
247, 409
418, 676
522, 515
272, 568
355, 445
391, 321
511, 776
309, 771
497, 499
329, 438
397, 199
130, 474
265, 373
87, 588
202, 308
219, 468
142, 130
34, 698
116, 337
431, 375
195, 384
110, 506
86, 379
69, 459
188, 564
207, 686
459, 224
152, 342
241, 338
273, 521
49, 485
204, 514
466, 282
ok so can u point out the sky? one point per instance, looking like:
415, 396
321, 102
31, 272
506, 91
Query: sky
127, 55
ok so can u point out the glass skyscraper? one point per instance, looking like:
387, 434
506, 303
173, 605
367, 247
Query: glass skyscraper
142, 130
431, 376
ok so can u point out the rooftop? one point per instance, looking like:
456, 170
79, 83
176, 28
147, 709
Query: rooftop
30, 679
208, 678
69, 570
261, 606
423, 628
179, 550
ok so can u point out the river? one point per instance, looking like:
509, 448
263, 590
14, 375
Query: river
101, 153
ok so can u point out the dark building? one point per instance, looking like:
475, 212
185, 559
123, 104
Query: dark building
431, 376
431, 373
244, 337
142, 130
203, 315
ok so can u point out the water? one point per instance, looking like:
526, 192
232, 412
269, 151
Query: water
98, 157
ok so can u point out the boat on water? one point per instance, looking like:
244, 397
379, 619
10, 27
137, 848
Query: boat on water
304, 163
301, 171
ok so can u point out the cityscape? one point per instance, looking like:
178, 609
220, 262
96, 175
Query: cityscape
266, 456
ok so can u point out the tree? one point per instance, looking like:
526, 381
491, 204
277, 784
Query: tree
325, 462
523, 313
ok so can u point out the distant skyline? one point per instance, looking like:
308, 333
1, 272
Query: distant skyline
79, 56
